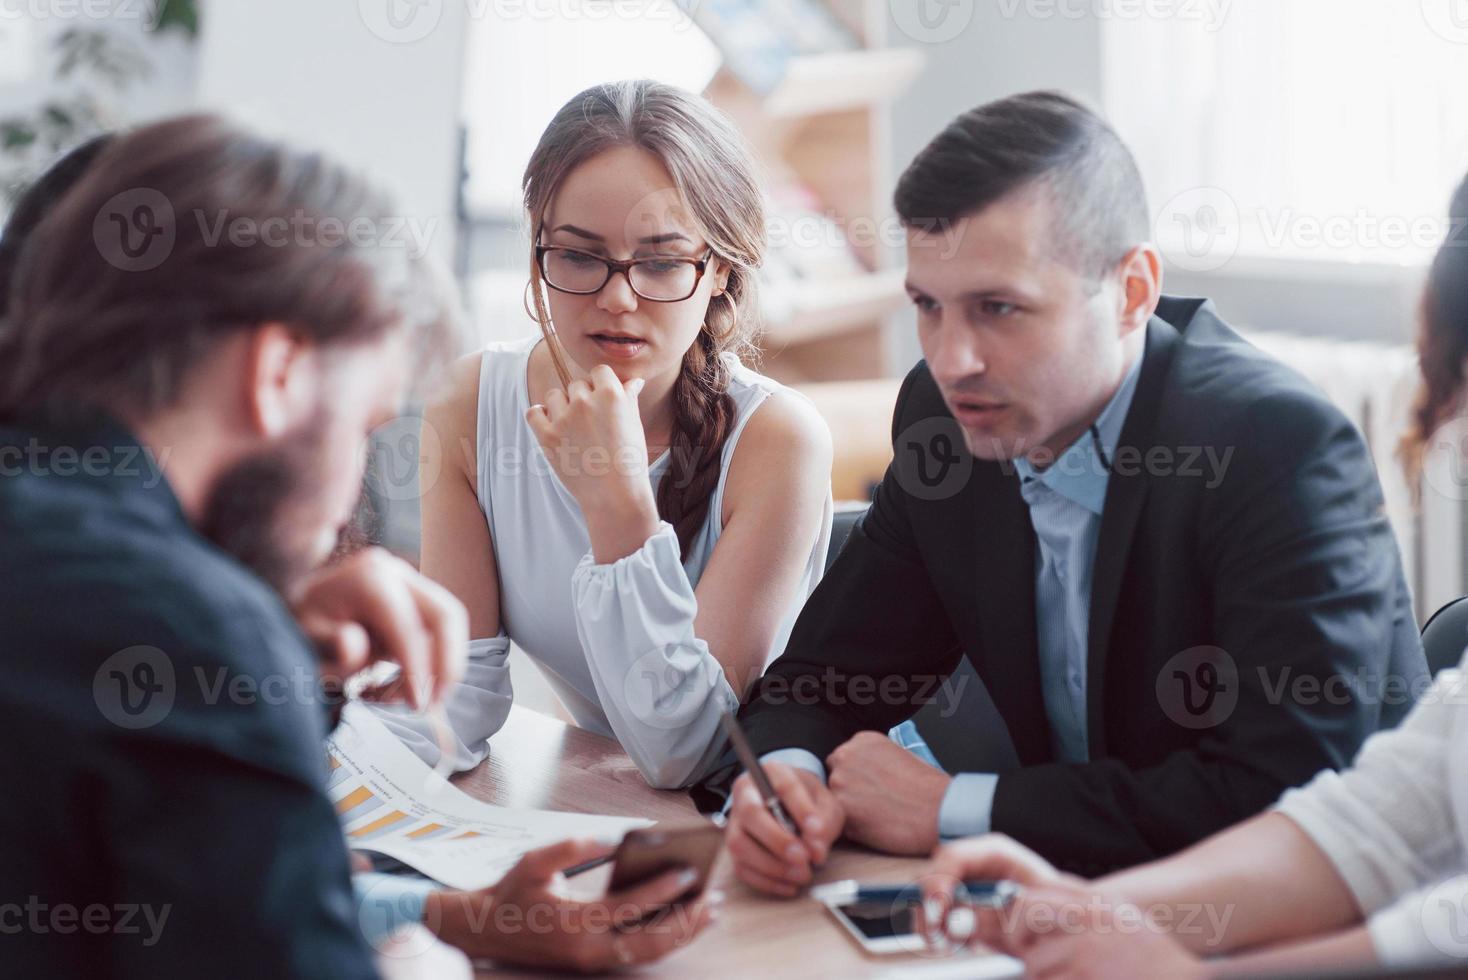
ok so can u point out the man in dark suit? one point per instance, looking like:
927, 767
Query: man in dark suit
1163, 552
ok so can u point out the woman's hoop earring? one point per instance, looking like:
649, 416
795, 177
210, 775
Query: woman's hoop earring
525, 301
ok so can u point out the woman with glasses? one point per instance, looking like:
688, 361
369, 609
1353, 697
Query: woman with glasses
620, 496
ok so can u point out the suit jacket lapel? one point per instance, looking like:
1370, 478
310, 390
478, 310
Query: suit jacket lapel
1005, 549
1126, 490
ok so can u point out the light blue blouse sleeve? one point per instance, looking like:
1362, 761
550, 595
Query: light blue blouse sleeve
661, 688
388, 903
476, 708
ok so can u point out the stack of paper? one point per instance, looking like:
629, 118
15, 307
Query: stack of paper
391, 803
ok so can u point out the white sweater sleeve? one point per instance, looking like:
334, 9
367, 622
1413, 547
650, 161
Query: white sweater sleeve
476, 708
661, 688
1387, 822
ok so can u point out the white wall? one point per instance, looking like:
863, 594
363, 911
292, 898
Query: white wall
977, 52
340, 76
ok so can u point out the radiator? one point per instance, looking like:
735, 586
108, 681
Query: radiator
1375, 384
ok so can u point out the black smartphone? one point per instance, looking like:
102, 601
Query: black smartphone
646, 853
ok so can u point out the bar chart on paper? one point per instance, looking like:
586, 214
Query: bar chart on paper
390, 803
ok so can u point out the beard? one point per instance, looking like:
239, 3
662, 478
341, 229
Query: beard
262, 510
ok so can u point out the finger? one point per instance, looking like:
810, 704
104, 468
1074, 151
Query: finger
448, 626
634, 387
757, 822
768, 884
641, 900
1052, 957
545, 863
749, 853
799, 801
343, 648
555, 403
538, 418
644, 944
994, 928
385, 608
577, 391
602, 378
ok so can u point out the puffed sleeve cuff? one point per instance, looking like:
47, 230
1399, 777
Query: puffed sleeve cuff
968, 805
661, 688
476, 708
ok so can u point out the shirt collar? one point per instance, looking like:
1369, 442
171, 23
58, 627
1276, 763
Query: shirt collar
1081, 474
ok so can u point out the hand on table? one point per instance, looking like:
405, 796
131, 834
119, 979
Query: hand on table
766, 856
372, 606
525, 920
1058, 924
890, 796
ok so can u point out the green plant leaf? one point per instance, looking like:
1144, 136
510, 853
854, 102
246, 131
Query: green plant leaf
16, 134
183, 14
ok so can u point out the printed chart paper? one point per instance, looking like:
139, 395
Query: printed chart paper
391, 803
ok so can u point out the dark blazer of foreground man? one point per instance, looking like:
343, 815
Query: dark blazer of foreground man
1279, 564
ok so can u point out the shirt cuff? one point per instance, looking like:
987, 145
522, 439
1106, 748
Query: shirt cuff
968, 805
388, 903
797, 758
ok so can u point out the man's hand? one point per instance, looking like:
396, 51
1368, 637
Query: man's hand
891, 797
766, 856
371, 607
524, 919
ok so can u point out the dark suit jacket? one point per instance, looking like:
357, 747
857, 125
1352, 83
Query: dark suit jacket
163, 763
1273, 555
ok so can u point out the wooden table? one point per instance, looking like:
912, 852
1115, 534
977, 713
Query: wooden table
537, 761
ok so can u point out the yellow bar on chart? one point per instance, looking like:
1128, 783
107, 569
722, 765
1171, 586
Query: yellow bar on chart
380, 823
425, 830
356, 797
467, 833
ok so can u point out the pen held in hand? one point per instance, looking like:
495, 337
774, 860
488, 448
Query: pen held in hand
756, 772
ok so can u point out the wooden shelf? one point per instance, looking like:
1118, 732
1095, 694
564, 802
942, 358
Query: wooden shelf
841, 81
829, 308
825, 130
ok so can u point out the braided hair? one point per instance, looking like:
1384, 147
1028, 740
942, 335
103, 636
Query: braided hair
715, 175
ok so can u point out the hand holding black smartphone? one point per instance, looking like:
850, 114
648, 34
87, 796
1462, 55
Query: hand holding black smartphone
646, 853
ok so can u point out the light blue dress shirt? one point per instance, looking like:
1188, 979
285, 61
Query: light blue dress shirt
1065, 502
387, 903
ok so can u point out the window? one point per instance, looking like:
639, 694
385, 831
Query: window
522, 67
1325, 129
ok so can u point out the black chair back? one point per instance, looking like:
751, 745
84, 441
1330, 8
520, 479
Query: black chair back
1446, 636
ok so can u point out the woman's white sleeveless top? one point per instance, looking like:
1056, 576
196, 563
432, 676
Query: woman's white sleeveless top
540, 536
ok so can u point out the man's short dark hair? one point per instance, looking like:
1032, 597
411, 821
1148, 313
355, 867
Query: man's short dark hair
1042, 139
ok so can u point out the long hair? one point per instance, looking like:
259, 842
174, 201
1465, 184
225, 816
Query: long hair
179, 234
1442, 338
715, 175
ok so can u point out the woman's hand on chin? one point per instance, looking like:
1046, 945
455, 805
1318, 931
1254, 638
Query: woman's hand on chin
592, 435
